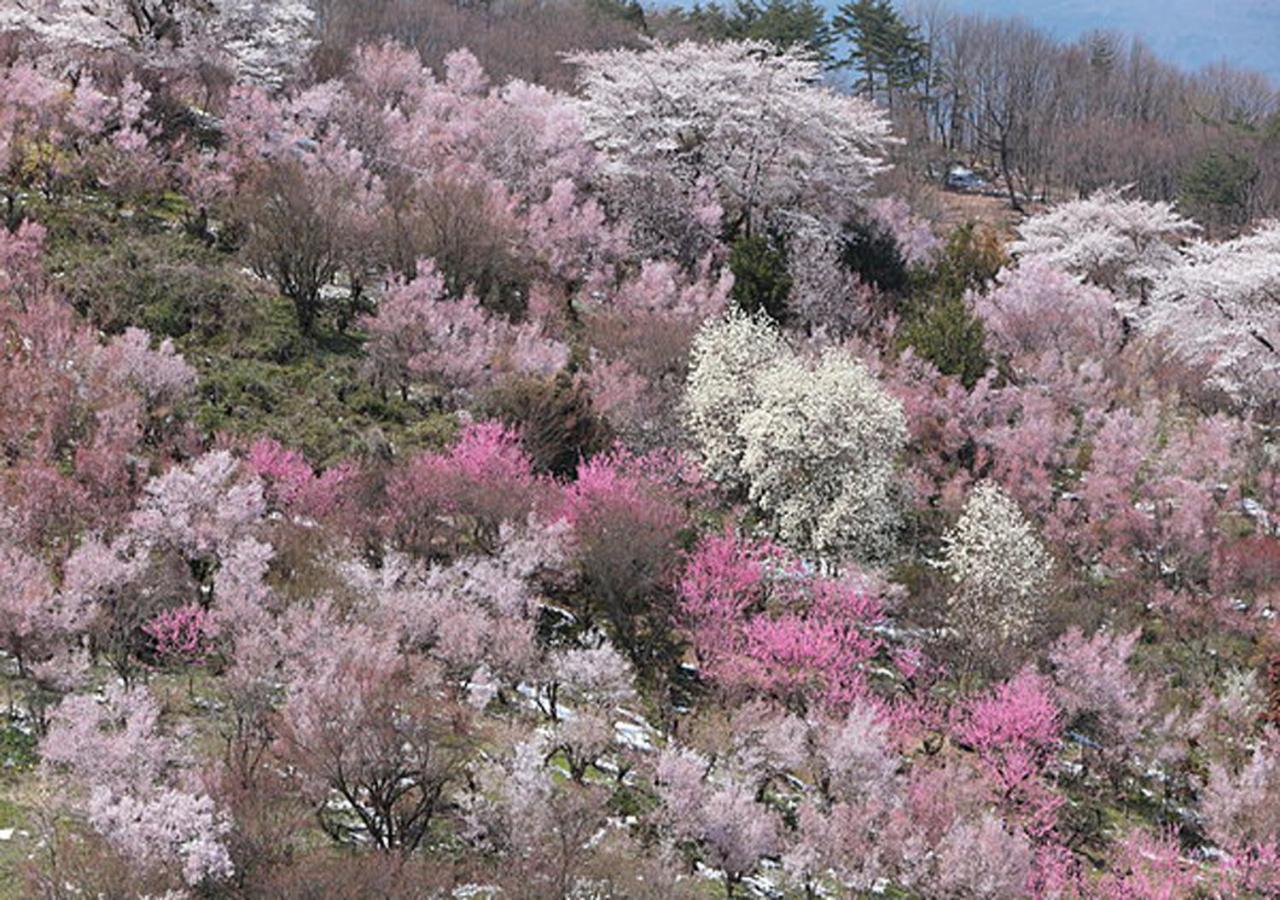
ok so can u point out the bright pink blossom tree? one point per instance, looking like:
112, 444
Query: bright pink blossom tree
761, 621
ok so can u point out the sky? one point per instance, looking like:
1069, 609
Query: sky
1189, 33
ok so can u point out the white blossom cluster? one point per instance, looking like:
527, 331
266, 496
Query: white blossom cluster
261, 40
725, 356
1215, 305
1220, 308
814, 442
1108, 239
999, 567
757, 123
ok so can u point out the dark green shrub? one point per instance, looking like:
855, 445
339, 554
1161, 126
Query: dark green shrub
558, 427
163, 283
318, 405
870, 251
947, 333
1218, 188
970, 261
760, 277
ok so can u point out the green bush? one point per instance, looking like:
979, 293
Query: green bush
761, 281
870, 251
17, 747
948, 334
556, 422
164, 283
319, 405
970, 261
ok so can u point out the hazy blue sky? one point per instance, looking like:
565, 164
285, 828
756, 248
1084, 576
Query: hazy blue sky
1190, 33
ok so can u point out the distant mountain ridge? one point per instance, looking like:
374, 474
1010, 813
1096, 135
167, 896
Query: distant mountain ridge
1190, 33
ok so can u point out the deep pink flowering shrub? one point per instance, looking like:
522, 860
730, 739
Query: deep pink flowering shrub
292, 484
1015, 731
438, 499
627, 513
185, 635
761, 622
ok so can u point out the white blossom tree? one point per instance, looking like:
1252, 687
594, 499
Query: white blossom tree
260, 41
812, 442
1108, 239
725, 356
1220, 308
820, 451
755, 123
1000, 571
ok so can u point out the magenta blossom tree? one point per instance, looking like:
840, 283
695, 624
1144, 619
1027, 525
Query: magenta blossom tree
762, 622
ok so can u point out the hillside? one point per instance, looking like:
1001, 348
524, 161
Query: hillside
635, 479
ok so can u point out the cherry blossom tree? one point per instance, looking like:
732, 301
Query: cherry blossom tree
1097, 691
1000, 570
38, 621
627, 524
132, 774
916, 241
1052, 328
21, 251
202, 509
717, 813
78, 417
754, 122
1239, 807
1217, 308
984, 858
640, 336
1116, 242
421, 334
545, 827
1150, 496
260, 42
358, 726
308, 214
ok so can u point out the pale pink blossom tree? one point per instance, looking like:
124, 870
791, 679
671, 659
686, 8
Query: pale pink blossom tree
718, 813
359, 726
130, 781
